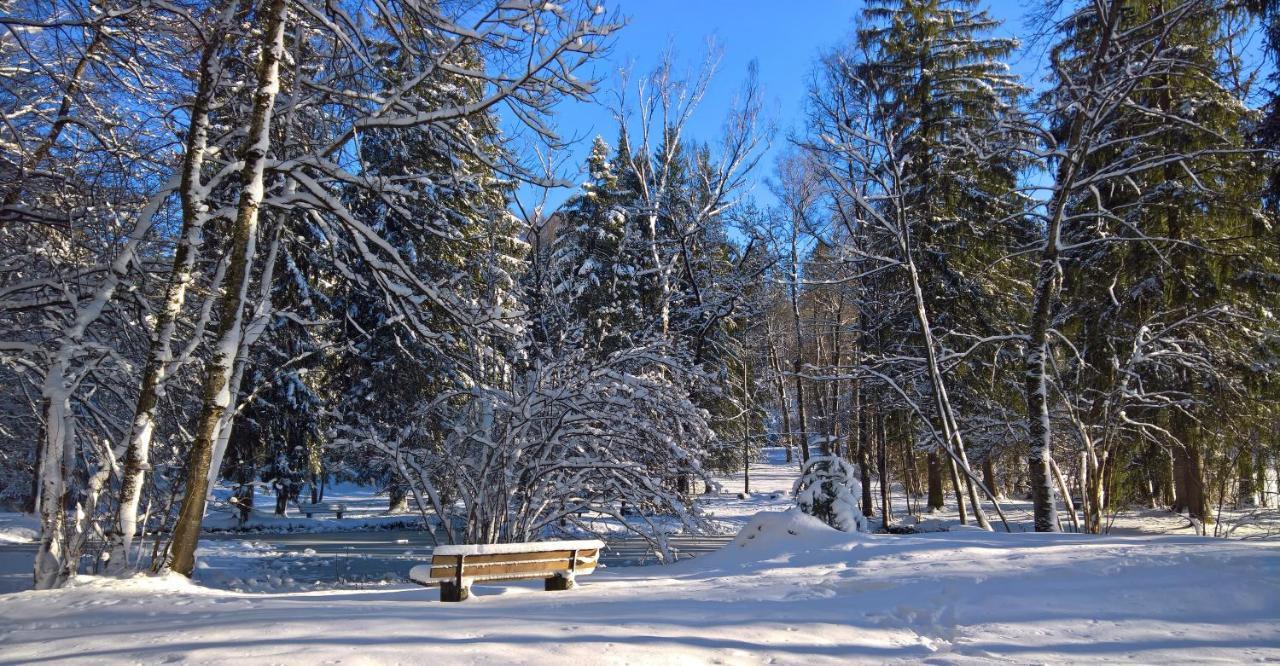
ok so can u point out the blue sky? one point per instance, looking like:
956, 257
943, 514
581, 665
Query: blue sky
784, 37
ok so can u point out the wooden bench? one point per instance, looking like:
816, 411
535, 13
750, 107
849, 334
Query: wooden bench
311, 509
559, 563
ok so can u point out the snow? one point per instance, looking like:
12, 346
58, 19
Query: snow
787, 589
506, 548
18, 528
796, 593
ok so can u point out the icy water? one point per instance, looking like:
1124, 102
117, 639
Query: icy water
262, 562
383, 556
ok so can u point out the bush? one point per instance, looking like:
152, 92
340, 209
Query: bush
828, 489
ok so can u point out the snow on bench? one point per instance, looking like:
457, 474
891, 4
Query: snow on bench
559, 563
309, 509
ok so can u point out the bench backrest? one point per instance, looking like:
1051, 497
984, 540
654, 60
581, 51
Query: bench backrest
515, 565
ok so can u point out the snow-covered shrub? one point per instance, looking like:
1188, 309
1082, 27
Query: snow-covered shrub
828, 489
575, 434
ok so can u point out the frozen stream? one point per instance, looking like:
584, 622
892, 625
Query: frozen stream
264, 562
306, 560
273, 561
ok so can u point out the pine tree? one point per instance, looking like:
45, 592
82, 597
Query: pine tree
595, 270
453, 230
941, 172
1209, 241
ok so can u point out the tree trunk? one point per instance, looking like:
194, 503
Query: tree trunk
218, 370
251, 333
955, 483
54, 562
1246, 491
1039, 459
909, 478
397, 496
1189, 489
749, 409
864, 462
1261, 467
882, 462
800, 416
244, 499
936, 497
797, 361
54, 565
783, 407
989, 472
138, 453
950, 426
909, 490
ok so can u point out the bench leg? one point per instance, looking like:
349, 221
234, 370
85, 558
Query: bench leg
558, 584
454, 592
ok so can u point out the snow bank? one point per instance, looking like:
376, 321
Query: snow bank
772, 538
505, 548
783, 530
142, 583
18, 528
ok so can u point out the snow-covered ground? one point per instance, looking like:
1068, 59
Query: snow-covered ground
786, 590
18, 528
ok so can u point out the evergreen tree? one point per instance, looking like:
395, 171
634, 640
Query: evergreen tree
594, 265
924, 174
1197, 244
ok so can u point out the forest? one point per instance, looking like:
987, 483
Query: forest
276, 245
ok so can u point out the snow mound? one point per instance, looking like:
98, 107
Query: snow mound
84, 589
792, 525
771, 538
167, 583
18, 528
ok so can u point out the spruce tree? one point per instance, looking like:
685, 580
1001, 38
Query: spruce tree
1177, 245
945, 99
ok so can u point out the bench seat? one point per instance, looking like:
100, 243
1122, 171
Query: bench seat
559, 563
310, 509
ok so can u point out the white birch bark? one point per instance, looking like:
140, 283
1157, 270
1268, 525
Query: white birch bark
194, 214
216, 390
54, 564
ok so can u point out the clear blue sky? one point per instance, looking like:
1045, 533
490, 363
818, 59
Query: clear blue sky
784, 37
